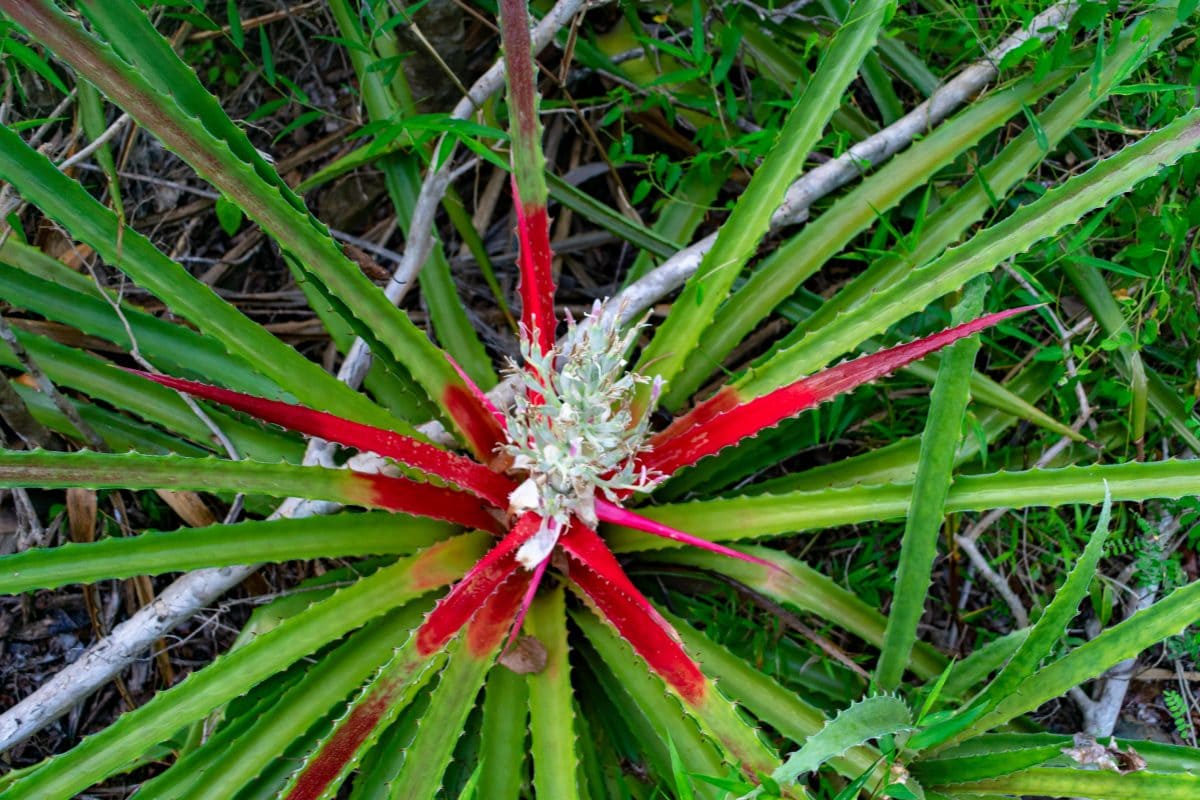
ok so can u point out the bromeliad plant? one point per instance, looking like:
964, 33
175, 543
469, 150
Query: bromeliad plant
376, 680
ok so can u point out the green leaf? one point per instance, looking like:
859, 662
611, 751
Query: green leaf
1057, 208
65, 201
190, 121
683, 785
802, 255
236, 35
794, 583
1056, 618
238, 754
779, 707
278, 540
268, 59
25, 55
935, 464
587, 206
738, 238
967, 676
228, 215
551, 713
502, 749
45, 469
336, 754
1125, 640
731, 519
38, 283
1036, 646
662, 711
1100, 784
100, 380
862, 721
975, 198
442, 723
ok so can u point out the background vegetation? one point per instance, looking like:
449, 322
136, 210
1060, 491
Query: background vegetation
657, 119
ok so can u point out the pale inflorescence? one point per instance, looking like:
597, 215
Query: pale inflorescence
574, 430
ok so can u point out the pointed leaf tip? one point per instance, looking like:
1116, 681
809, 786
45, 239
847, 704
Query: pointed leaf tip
611, 512
451, 467
722, 422
526, 602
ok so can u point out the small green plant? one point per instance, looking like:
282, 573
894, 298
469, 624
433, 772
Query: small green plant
546, 497
1181, 715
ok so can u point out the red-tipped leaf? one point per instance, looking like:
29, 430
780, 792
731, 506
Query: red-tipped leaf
529, 182
527, 601
487, 629
726, 418
374, 708
484, 402
451, 467
420, 499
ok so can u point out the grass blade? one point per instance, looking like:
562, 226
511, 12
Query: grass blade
676, 338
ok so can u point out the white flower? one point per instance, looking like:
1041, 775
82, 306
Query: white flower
573, 431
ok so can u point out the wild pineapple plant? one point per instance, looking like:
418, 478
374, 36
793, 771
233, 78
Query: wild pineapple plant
498, 545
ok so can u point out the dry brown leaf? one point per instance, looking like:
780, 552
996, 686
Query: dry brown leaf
81, 514
190, 508
1087, 751
527, 655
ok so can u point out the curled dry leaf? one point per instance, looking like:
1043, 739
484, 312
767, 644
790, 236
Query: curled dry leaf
526, 656
1087, 751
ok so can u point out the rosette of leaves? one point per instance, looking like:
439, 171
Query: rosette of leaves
495, 644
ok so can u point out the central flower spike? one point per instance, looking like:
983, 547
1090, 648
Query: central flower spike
574, 432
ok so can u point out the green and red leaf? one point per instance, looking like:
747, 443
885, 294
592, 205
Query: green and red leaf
529, 182
49, 469
422, 499
451, 467
594, 569
395, 684
456, 608
613, 513
727, 418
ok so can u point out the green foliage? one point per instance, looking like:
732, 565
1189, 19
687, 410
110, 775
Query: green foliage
1070, 183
